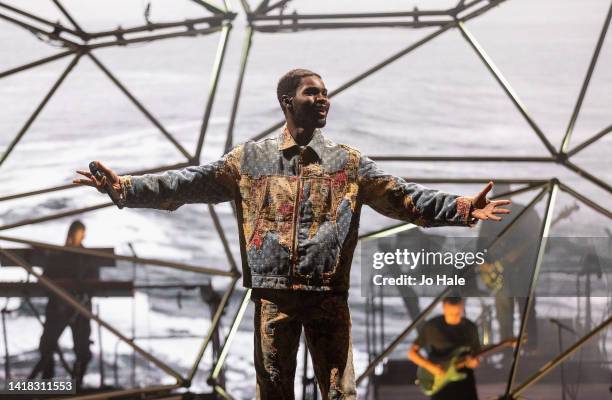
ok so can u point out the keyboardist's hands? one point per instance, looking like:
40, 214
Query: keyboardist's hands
92, 181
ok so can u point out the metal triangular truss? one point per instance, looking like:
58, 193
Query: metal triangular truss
271, 17
267, 17
78, 43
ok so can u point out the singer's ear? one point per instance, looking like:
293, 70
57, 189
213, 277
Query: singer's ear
287, 102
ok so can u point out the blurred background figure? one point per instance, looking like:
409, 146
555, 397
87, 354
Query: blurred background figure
510, 266
67, 268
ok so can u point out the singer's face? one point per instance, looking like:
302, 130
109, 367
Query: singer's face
310, 103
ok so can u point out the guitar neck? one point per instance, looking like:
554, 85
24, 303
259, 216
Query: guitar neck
487, 350
491, 349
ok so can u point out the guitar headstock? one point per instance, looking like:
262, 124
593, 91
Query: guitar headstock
513, 342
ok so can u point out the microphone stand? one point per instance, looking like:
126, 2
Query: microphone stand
560, 326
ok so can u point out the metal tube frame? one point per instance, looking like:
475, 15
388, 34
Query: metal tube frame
36, 314
260, 14
544, 231
226, 246
138, 260
138, 104
459, 22
585, 84
36, 63
504, 84
413, 324
246, 48
65, 296
125, 392
549, 366
72, 185
39, 108
66, 14
216, 369
73, 302
220, 21
214, 81
86, 49
260, 20
216, 320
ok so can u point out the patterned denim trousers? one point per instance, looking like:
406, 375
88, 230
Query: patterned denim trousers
279, 318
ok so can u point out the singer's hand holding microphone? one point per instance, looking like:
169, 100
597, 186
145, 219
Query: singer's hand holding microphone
102, 178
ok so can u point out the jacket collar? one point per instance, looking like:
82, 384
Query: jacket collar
286, 141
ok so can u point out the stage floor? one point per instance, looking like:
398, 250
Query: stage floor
488, 391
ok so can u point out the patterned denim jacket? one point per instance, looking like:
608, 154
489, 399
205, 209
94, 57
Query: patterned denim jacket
298, 208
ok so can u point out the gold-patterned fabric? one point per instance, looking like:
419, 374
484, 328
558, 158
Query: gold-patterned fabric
280, 316
297, 207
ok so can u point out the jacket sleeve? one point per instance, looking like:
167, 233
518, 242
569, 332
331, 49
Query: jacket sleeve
395, 198
210, 183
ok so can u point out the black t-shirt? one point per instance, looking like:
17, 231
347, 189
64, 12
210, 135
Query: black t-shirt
65, 266
69, 266
440, 339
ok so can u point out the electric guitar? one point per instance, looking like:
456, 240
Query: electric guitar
431, 384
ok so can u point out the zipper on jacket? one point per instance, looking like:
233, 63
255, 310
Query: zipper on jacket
296, 213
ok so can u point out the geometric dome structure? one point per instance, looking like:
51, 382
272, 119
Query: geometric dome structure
273, 18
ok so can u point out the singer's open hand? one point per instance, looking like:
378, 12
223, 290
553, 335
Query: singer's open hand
485, 209
97, 183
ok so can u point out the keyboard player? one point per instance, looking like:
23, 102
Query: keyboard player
69, 268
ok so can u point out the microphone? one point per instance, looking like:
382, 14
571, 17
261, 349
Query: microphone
97, 172
132, 249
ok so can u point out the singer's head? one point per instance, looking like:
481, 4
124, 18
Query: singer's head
303, 98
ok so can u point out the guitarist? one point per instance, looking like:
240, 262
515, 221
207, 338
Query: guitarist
440, 337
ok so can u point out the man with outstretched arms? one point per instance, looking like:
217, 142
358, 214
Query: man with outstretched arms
298, 198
